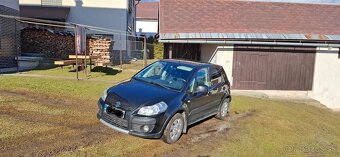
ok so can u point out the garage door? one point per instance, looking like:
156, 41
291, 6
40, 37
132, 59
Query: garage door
273, 68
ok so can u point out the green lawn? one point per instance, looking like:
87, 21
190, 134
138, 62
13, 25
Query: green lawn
57, 117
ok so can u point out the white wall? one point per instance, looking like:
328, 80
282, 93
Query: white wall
86, 3
147, 26
14, 4
326, 86
221, 55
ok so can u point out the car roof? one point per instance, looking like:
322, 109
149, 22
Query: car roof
192, 64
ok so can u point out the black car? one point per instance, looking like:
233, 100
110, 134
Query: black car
164, 98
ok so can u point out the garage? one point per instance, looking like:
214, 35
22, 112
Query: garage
273, 67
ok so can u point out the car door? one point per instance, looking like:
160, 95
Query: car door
199, 106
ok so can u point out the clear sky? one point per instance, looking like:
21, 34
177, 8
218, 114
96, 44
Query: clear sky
300, 1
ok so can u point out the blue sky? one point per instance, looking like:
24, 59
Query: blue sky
301, 1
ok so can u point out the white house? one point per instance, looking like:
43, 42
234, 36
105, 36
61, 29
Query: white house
118, 15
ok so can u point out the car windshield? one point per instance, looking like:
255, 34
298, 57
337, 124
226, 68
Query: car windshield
166, 74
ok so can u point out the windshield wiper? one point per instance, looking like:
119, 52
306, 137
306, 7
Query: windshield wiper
154, 83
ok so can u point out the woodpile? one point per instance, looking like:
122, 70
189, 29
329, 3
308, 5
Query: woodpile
47, 42
100, 46
60, 44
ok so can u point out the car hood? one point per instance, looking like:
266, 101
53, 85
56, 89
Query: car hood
137, 93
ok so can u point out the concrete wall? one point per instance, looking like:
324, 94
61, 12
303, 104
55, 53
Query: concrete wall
326, 86
219, 54
14, 4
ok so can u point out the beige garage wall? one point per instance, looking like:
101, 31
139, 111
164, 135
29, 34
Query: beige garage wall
219, 54
326, 86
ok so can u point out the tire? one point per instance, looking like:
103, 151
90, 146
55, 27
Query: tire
174, 129
223, 111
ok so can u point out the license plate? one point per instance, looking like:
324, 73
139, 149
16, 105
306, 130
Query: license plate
114, 111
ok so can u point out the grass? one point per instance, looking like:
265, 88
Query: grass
283, 129
47, 68
49, 116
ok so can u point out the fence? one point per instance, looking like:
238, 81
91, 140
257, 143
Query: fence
28, 41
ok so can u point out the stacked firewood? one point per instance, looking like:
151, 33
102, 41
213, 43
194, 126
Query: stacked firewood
47, 42
100, 46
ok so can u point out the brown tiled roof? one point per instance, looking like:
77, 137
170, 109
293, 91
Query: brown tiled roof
231, 16
147, 10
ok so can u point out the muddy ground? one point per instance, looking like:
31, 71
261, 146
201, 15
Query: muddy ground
80, 131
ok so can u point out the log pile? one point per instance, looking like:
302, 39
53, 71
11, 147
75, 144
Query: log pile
100, 47
47, 42
61, 44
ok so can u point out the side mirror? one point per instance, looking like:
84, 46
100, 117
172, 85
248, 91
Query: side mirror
201, 91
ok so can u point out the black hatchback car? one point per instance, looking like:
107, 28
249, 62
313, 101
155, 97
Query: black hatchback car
166, 97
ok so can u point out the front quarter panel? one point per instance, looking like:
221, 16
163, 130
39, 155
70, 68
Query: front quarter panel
175, 105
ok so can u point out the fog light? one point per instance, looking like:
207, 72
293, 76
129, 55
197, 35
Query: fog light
145, 128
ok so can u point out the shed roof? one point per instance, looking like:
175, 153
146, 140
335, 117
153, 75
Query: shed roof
218, 17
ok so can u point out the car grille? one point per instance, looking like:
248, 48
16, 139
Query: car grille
114, 120
112, 99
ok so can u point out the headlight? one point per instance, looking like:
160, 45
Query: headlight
104, 94
153, 110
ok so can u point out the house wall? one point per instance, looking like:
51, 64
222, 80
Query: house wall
86, 3
221, 55
147, 26
326, 86
14, 4
110, 14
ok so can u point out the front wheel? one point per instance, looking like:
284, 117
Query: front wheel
223, 111
174, 129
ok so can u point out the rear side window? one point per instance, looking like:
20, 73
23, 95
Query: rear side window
216, 76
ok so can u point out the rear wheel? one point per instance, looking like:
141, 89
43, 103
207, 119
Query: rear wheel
174, 129
223, 110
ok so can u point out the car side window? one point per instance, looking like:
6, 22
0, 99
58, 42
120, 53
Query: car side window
216, 76
202, 77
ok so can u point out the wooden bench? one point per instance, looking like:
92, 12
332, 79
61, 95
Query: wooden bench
62, 63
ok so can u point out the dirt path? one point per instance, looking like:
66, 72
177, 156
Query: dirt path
203, 138
72, 132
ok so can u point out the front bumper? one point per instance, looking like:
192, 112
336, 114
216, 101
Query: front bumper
134, 124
